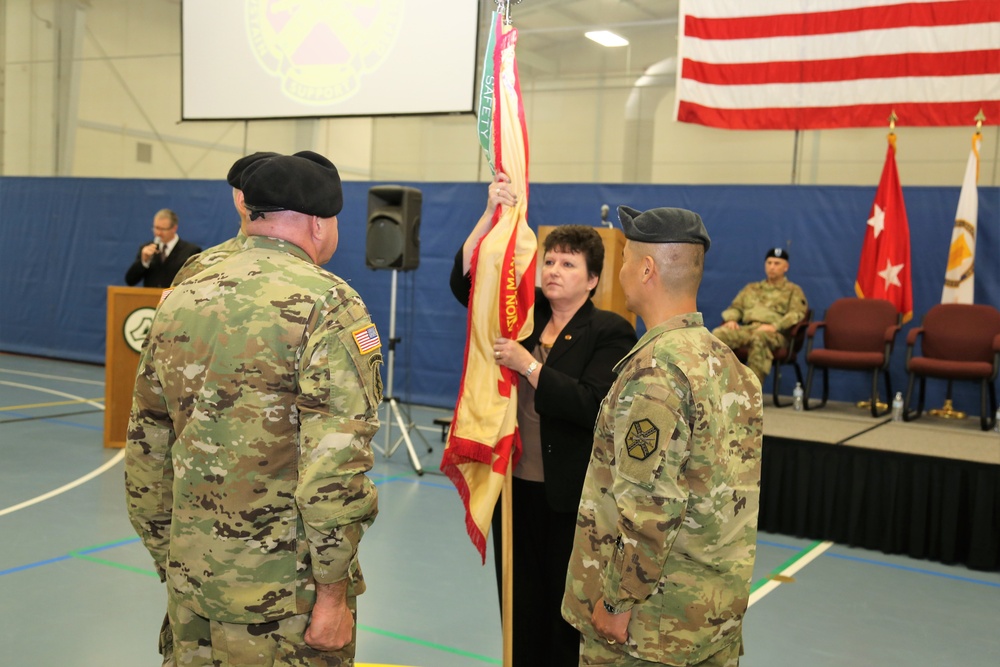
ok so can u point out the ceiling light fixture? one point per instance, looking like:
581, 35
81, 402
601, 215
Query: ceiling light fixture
606, 38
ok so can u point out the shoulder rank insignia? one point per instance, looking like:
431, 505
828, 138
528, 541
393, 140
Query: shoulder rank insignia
367, 339
642, 439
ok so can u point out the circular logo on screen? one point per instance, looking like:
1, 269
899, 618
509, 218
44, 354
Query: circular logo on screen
136, 327
320, 49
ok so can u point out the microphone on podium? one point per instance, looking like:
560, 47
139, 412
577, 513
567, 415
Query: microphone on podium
604, 216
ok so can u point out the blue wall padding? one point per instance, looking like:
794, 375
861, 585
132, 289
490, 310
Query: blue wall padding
63, 241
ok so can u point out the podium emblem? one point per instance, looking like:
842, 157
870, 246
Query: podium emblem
136, 327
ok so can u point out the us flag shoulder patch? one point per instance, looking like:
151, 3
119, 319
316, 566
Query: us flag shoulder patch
367, 339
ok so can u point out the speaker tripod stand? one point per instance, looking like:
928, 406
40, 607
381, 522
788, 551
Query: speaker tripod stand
393, 411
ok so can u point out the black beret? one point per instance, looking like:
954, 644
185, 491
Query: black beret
663, 225
235, 174
315, 157
780, 253
305, 182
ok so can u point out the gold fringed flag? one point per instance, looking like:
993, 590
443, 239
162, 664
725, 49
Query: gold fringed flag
959, 279
483, 440
884, 269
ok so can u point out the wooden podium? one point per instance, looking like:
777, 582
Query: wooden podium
609, 295
130, 314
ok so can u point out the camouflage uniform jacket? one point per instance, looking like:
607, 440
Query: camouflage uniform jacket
195, 264
667, 525
782, 305
254, 408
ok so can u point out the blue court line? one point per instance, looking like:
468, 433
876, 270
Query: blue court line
132, 540
894, 566
779, 545
420, 481
83, 554
104, 547
916, 570
29, 566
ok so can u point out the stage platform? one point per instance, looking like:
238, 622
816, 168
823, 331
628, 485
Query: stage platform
926, 489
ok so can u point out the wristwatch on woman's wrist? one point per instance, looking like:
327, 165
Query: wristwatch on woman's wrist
530, 369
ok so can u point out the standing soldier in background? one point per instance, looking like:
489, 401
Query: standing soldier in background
254, 409
667, 528
217, 253
762, 312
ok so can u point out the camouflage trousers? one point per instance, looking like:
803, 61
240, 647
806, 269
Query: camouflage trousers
596, 651
761, 346
189, 640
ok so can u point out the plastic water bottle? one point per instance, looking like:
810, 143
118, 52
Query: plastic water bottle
996, 421
798, 397
897, 407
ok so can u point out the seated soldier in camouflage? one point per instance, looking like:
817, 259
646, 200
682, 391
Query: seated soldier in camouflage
762, 313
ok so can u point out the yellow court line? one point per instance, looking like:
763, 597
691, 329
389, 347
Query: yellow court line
27, 406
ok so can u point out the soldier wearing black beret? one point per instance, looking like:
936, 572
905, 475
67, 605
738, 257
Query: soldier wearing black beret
262, 377
762, 313
655, 536
305, 182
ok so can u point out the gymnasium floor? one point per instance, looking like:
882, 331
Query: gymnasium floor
78, 590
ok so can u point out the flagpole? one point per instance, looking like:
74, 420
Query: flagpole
507, 540
867, 404
948, 411
795, 158
507, 499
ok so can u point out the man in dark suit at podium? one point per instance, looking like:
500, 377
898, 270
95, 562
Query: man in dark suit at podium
158, 262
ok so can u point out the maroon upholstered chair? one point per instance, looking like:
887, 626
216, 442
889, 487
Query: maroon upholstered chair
787, 355
958, 342
858, 334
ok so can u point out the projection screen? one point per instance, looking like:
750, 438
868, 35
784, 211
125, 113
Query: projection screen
253, 59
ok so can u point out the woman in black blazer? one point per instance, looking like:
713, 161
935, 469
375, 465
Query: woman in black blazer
567, 365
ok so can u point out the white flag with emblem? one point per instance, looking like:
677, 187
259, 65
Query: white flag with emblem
960, 278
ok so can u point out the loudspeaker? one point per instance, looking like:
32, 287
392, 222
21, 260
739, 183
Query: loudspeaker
393, 240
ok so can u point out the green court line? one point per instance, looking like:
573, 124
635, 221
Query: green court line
120, 566
82, 555
781, 568
438, 647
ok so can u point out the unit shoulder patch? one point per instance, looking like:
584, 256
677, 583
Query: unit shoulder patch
642, 439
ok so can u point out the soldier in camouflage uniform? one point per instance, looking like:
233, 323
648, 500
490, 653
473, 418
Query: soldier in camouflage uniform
255, 405
206, 258
666, 532
762, 313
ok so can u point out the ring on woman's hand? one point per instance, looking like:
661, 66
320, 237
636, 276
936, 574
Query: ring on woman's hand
611, 641
496, 354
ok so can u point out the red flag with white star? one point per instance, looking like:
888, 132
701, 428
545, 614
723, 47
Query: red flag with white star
884, 270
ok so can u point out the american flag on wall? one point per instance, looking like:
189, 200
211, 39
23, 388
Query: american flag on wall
816, 64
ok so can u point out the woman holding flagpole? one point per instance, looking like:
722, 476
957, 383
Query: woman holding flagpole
566, 367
